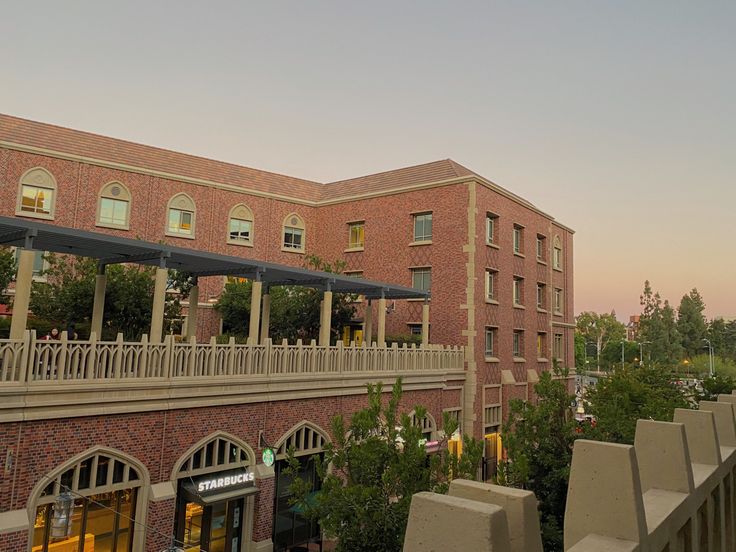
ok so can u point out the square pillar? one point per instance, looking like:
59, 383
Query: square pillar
23, 280
368, 323
425, 323
265, 316
192, 313
325, 319
159, 303
98, 307
381, 337
255, 311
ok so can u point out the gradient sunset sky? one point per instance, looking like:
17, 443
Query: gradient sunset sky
618, 117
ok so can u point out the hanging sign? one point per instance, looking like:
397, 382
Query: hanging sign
268, 456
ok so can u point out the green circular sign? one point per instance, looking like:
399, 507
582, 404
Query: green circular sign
268, 457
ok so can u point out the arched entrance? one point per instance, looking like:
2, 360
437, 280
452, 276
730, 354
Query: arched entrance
215, 486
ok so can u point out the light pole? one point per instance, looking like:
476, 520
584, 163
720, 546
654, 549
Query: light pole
710, 356
622, 353
641, 351
597, 355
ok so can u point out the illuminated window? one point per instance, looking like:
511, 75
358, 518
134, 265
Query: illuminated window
541, 345
180, 216
294, 233
113, 207
421, 278
240, 226
423, 227
356, 237
36, 194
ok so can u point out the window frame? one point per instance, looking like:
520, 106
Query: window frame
541, 248
491, 229
541, 345
492, 332
39, 179
518, 240
357, 245
558, 301
557, 254
423, 238
542, 296
518, 291
240, 213
291, 223
106, 193
517, 343
426, 271
490, 285
558, 347
183, 203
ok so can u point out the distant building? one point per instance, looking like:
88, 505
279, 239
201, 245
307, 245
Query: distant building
632, 328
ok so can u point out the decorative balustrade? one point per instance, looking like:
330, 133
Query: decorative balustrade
30, 360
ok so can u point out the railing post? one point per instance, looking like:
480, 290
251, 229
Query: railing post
24, 366
267, 356
340, 356
117, 367
394, 357
143, 359
92, 357
192, 360
231, 356
168, 358
61, 365
31, 362
212, 361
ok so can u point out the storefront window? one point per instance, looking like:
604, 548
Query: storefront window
291, 527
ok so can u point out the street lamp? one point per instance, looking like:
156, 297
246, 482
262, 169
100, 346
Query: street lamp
622, 353
710, 356
641, 351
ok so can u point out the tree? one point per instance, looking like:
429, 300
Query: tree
67, 296
539, 440
691, 323
7, 272
377, 464
295, 310
626, 395
722, 336
600, 329
580, 356
717, 385
658, 326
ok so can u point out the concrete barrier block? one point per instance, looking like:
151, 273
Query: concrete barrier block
663, 457
520, 507
725, 422
604, 494
441, 523
727, 398
595, 543
702, 438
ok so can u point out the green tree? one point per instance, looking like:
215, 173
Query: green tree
658, 326
376, 464
722, 336
691, 323
600, 329
67, 295
611, 355
538, 440
580, 356
7, 272
717, 385
295, 310
625, 396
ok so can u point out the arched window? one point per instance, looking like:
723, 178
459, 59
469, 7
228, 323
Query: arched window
294, 233
181, 216
240, 226
426, 424
106, 488
113, 206
215, 453
305, 438
557, 253
36, 194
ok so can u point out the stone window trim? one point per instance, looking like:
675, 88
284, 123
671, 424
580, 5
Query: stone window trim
184, 466
241, 212
492, 354
355, 246
427, 424
424, 238
306, 437
518, 248
557, 261
117, 191
182, 202
542, 240
293, 221
37, 177
491, 285
491, 238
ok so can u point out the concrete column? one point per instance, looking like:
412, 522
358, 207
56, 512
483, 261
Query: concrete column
425, 323
265, 316
255, 311
381, 337
368, 323
98, 307
192, 314
23, 280
325, 319
159, 302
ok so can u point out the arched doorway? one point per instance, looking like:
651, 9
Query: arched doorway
108, 493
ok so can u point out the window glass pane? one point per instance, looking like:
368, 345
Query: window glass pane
103, 464
125, 526
106, 210
36, 200
174, 220
423, 227
186, 221
240, 230
39, 526
120, 212
192, 525
101, 522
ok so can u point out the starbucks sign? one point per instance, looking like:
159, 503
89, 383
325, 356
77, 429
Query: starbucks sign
268, 456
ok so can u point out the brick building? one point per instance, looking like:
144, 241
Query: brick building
499, 269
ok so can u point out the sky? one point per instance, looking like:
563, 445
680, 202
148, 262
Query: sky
618, 117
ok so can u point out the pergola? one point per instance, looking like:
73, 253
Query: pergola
30, 235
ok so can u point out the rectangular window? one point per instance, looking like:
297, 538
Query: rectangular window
557, 258
558, 300
293, 238
240, 230
541, 345
180, 221
421, 278
541, 248
415, 329
491, 284
423, 227
113, 211
518, 290
491, 227
490, 342
518, 239
518, 343
558, 349
356, 237
541, 296
36, 199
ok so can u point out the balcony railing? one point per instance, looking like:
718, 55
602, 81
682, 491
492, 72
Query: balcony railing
30, 360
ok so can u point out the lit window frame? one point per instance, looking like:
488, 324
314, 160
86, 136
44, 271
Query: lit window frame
240, 213
123, 196
356, 235
182, 204
40, 180
293, 225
